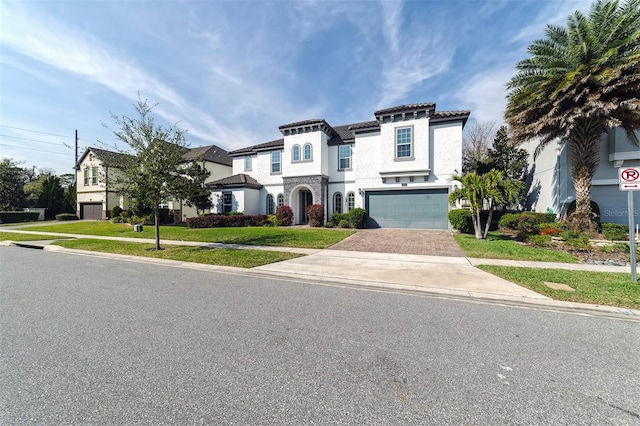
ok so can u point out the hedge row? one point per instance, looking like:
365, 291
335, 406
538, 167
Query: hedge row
223, 220
16, 217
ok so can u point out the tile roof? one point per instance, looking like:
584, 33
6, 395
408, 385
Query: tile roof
450, 116
236, 181
278, 143
109, 158
344, 133
405, 108
211, 153
304, 123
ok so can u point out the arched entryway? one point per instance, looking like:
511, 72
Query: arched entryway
301, 198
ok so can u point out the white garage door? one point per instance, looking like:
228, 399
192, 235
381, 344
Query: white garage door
419, 209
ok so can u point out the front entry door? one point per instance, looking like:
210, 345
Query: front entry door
306, 199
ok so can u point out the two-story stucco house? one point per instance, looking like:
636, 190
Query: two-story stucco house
552, 186
96, 167
398, 167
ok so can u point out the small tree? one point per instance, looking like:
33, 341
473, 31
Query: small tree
512, 162
154, 171
196, 194
475, 147
12, 181
488, 190
52, 196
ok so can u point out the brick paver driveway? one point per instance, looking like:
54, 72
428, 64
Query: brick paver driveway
404, 241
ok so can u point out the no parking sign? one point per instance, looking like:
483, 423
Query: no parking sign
629, 178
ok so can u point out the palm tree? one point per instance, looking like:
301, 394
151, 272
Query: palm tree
579, 82
488, 190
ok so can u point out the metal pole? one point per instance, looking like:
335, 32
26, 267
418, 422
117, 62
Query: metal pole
632, 238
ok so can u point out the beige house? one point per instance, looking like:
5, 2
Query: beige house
95, 169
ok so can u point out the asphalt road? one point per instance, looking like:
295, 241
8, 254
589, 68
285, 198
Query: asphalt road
89, 340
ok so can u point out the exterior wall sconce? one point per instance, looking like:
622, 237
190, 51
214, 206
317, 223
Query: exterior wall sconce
360, 191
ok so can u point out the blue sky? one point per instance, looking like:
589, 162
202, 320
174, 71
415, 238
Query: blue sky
231, 72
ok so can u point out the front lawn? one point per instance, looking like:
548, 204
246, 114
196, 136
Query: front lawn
15, 236
498, 246
600, 288
239, 258
258, 236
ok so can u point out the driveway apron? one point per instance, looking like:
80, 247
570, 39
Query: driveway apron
402, 241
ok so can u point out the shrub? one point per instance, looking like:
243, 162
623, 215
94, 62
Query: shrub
126, 214
272, 220
580, 242
223, 220
539, 240
344, 223
525, 223
142, 220
66, 216
568, 234
116, 212
119, 219
16, 217
358, 217
461, 220
615, 231
553, 228
315, 213
284, 215
336, 218
617, 248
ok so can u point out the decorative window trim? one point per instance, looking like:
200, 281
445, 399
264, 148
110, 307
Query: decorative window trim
340, 158
227, 196
351, 201
404, 143
94, 176
276, 163
295, 152
306, 157
337, 202
271, 209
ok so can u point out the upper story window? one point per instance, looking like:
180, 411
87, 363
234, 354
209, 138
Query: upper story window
247, 163
276, 162
404, 142
86, 176
344, 157
295, 153
308, 152
94, 176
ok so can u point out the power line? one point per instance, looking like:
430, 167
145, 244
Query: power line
31, 140
35, 149
35, 131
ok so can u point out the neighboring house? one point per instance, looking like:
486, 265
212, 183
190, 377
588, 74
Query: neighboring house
96, 168
398, 167
552, 186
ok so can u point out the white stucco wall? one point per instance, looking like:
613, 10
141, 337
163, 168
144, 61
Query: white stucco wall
317, 140
447, 151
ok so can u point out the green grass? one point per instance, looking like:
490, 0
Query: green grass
259, 236
14, 236
600, 288
498, 246
211, 256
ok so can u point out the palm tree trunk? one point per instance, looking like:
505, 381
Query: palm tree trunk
477, 225
488, 224
584, 152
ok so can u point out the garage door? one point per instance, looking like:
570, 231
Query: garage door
91, 211
613, 204
420, 209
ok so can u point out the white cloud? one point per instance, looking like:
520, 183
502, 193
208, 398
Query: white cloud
554, 13
485, 94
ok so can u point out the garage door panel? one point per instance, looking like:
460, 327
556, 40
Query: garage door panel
613, 204
422, 209
91, 211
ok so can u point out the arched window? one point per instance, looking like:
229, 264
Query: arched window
280, 200
308, 151
295, 153
270, 205
351, 201
337, 202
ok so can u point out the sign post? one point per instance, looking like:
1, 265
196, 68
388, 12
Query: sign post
630, 181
